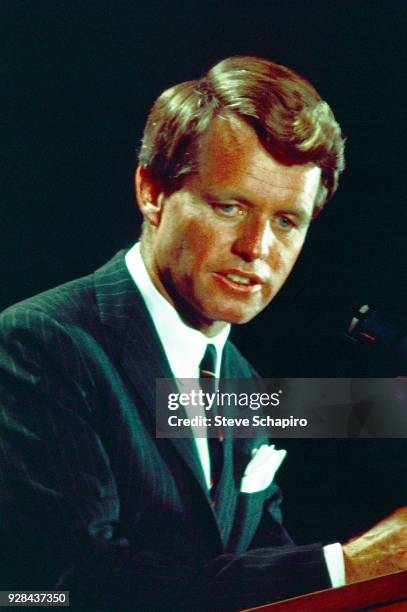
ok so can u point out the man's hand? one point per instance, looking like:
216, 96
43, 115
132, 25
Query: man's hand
381, 550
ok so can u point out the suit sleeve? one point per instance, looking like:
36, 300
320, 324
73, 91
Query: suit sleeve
59, 504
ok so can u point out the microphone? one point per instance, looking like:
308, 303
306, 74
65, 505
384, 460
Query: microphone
371, 328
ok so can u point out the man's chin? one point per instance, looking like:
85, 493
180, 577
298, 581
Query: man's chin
213, 320
242, 320
238, 317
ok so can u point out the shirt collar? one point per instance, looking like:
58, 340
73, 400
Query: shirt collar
183, 345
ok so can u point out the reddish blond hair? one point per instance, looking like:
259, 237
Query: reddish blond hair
291, 120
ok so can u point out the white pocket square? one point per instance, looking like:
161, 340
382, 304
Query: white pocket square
262, 468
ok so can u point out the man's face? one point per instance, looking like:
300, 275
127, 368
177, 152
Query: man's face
226, 241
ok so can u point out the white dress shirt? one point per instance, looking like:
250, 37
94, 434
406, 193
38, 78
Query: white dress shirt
184, 348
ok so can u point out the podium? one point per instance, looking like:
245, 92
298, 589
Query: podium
384, 593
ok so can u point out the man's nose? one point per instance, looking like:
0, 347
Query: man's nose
255, 240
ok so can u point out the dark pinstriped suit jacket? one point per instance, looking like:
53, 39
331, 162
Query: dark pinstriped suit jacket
91, 501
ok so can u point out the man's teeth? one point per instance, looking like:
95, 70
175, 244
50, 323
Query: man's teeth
239, 279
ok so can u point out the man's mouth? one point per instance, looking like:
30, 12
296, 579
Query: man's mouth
240, 280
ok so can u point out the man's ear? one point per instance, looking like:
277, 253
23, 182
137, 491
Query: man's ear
149, 194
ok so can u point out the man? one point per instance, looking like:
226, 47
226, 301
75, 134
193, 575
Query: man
233, 167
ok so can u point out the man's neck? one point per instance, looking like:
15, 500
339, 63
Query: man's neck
207, 327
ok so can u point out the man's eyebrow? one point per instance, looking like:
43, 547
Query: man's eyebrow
299, 212
211, 197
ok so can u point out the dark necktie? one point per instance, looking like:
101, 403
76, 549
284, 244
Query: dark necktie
207, 369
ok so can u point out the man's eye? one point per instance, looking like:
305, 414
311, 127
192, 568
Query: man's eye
228, 210
285, 223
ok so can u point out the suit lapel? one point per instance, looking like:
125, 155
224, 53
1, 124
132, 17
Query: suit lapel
145, 366
143, 358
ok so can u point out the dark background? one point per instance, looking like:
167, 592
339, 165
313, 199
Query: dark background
77, 79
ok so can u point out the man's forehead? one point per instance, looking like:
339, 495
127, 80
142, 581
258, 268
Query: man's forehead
227, 135
231, 148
